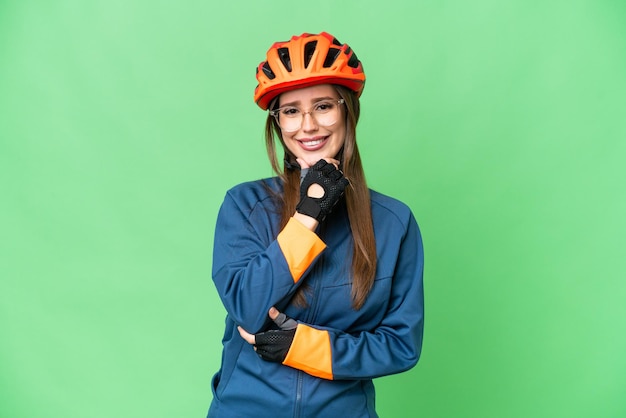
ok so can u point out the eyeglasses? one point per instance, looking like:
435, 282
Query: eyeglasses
325, 112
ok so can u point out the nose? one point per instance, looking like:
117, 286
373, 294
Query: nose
308, 122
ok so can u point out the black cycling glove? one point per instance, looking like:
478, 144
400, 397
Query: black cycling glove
274, 344
331, 180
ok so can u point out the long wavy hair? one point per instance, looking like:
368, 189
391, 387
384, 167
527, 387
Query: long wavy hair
357, 197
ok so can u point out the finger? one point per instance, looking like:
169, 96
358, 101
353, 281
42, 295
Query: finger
284, 322
273, 313
326, 160
335, 175
333, 162
249, 338
303, 164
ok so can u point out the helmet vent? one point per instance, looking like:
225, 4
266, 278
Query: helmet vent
306, 60
283, 54
309, 49
332, 55
267, 70
353, 62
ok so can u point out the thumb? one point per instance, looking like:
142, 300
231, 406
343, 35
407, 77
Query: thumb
282, 320
273, 313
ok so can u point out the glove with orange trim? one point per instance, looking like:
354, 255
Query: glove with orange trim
328, 178
274, 344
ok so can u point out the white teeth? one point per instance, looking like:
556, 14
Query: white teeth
312, 143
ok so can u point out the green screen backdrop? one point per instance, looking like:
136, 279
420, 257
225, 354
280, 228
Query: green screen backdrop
500, 123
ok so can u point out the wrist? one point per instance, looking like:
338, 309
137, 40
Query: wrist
309, 222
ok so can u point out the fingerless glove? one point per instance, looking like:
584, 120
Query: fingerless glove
273, 345
331, 180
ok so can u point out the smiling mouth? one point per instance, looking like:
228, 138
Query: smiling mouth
313, 142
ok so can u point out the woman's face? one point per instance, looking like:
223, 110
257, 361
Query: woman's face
322, 132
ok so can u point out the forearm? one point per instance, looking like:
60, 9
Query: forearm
250, 279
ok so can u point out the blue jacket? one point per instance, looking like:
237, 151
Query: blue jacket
336, 351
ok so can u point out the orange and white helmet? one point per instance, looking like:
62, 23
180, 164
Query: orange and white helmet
304, 61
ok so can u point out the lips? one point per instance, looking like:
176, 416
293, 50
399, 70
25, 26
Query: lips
313, 144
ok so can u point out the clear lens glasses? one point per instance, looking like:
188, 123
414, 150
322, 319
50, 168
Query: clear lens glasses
325, 113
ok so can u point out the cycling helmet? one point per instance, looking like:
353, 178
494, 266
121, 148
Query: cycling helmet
304, 61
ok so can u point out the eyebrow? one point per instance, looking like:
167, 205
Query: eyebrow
314, 100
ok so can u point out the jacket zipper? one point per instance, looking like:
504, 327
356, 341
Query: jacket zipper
299, 382
309, 318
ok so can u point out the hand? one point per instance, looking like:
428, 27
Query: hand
273, 345
304, 169
306, 164
321, 189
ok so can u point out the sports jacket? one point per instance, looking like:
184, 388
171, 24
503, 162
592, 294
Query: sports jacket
336, 351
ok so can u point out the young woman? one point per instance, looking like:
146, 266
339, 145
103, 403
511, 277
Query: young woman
320, 276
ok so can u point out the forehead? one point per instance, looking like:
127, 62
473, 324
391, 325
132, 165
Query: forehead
308, 94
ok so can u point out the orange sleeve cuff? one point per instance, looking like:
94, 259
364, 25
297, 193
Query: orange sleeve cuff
300, 246
310, 352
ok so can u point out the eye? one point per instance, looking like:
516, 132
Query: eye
289, 111
324, 106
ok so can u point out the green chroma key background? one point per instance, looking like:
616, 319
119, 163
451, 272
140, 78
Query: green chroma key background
500, 123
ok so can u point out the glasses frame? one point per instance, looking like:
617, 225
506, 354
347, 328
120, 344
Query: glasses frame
276, 112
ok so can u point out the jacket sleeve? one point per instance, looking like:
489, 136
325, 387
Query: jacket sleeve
392, 347
252, 271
